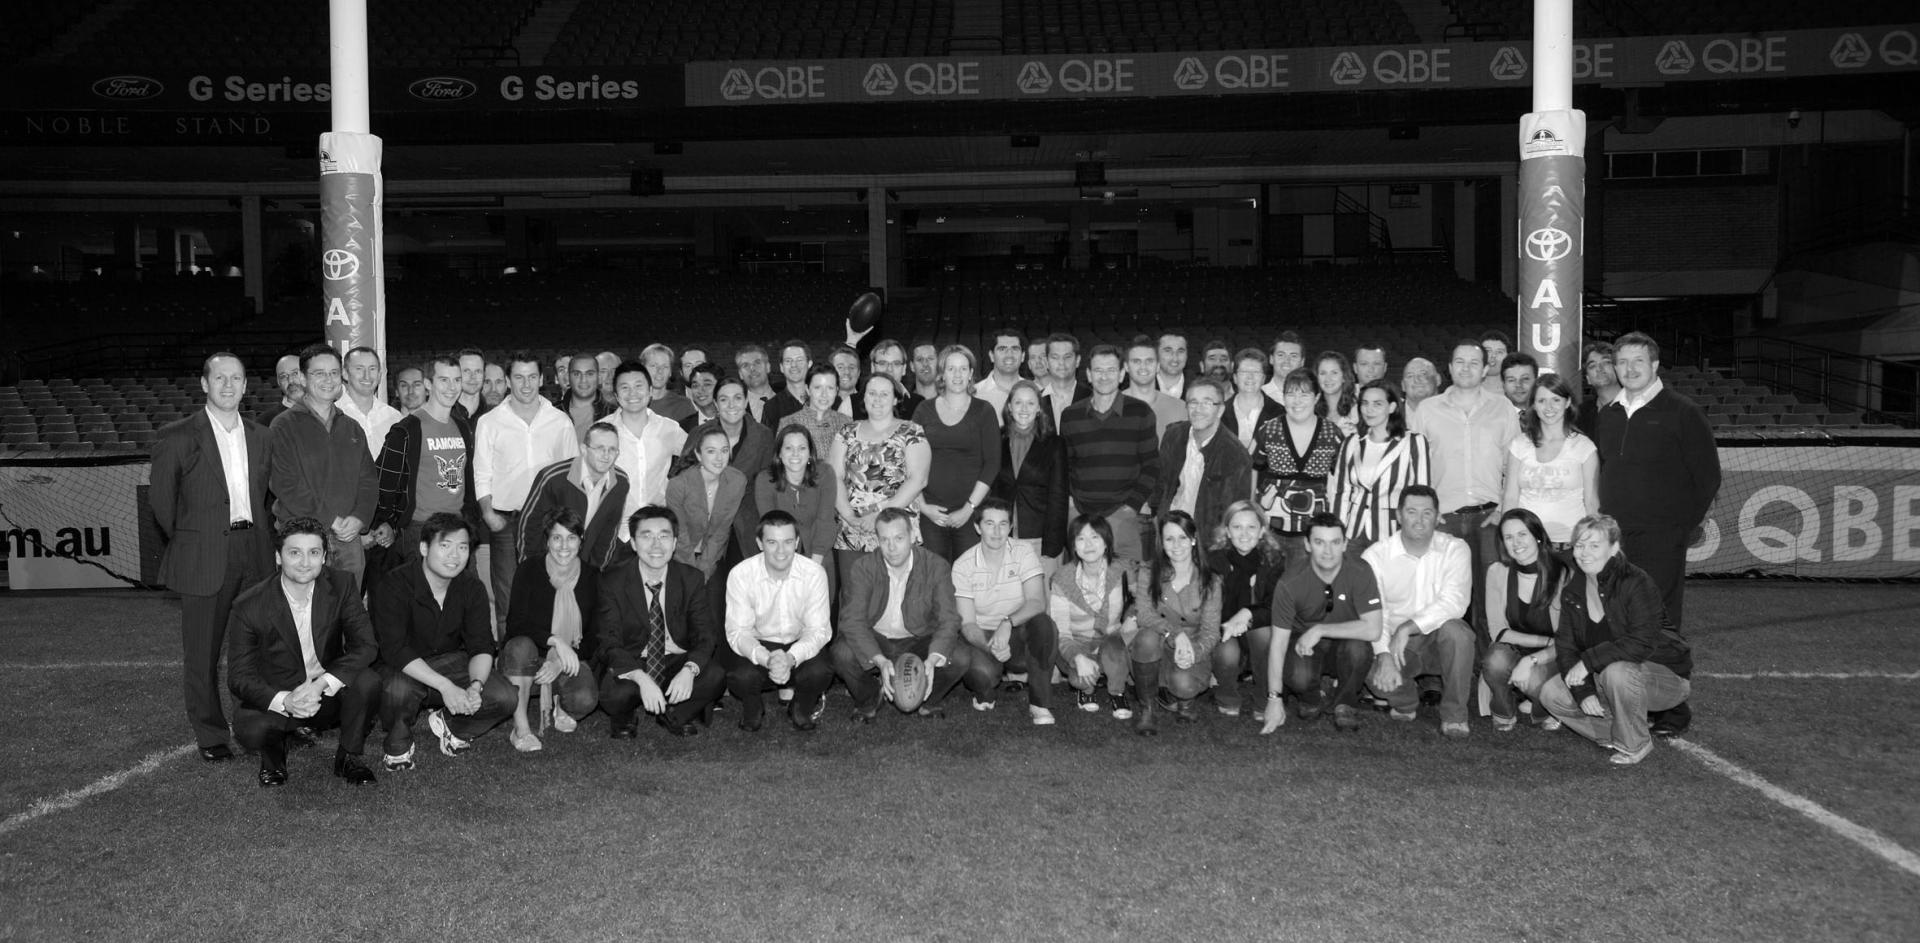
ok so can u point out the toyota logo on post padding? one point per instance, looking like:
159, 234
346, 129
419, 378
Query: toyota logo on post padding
339, 265
128, 88
1548, 245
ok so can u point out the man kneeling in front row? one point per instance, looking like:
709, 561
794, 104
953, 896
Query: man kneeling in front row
300, 652
656, 633
436, 647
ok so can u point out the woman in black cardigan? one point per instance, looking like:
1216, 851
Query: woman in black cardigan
548, 639
1616, 652
1033, 473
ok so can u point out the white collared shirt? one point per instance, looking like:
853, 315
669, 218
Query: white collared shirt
1191, 472
302, 610
233, 464
995, 395
790, 610
646, 458
1467, 446
891, 623
375, 421
1427, 590
1632, 403
508, 451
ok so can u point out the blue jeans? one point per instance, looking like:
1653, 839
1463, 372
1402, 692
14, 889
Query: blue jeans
1628, 690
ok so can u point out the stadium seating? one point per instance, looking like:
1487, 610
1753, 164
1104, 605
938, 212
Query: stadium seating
1513, 19
1119, 26
676, 31
151, 34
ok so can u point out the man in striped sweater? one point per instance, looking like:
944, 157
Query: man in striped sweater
1113, 456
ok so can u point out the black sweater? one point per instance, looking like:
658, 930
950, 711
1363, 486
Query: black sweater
1660, 467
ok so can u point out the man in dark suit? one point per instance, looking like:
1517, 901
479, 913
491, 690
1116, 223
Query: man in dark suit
300, 654
656, 633
209, 496
899, 599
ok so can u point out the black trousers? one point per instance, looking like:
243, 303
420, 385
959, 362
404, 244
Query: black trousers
1662, 552
352, 710
620, 698
747, 681
203, 633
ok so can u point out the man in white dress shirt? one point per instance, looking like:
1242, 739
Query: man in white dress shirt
648, 440
1424, 583
512, 443
777, 626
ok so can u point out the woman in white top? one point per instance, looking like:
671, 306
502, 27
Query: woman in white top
1553, 469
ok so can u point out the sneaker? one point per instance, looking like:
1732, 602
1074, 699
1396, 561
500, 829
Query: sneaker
1624, 758
1405, 717
932, 711
1040, 716
1121, 709
981, 705
563, 721
1226, 711
524, 742
819, 708
395, 764
449, 744
1504, 724
786, 694
1550, 723
1345, 718
1454, 731
1086, 701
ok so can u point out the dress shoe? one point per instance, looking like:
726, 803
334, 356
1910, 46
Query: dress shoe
273, 767
353, 769
863, 716
803, 722
216, 754
624, 731
752, 724
1673, 722
688, 729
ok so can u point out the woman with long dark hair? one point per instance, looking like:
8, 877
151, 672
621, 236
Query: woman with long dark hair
1334, 374
1376, 463
1553, 469
1519, 603
1179, 619
1292, 457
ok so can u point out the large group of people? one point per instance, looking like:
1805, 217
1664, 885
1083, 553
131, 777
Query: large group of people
666, 538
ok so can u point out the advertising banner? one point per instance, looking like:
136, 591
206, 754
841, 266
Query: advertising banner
1552, 240
1630, 60
1814, 510
351, 287
74, 523
311, 90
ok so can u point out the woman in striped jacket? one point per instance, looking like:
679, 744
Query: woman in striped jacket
1376, 464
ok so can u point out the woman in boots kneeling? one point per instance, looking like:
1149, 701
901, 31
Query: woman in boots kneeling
1179, 619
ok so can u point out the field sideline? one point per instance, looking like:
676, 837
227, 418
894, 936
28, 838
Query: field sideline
979, 827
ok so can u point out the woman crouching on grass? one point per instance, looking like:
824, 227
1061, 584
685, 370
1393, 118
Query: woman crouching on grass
1087, 599
1179, 617
1247, 558
1616, 651
546, 626
1519, 613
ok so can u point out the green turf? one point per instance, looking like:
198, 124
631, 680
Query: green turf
980, 827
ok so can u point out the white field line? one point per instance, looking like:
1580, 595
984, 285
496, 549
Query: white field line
1852, 831
104, 784
76, 665
1809, 675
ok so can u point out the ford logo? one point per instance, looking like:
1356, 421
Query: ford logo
128, 88
442, 88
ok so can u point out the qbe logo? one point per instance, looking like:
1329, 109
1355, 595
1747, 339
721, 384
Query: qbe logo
736, 87
1190, 76
339, 265
1034, 79
881, 80
1509, 65
1548, 245
1347, 70
1850, 52
1675, 58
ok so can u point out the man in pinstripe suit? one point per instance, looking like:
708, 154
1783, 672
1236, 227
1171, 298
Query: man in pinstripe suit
209, 495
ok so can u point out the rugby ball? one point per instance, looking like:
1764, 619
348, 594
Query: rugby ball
909, 682
865, 312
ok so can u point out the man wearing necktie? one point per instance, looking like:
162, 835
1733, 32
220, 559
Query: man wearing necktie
656, 632
209, 496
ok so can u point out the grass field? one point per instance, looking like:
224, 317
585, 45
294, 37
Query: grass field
980, 827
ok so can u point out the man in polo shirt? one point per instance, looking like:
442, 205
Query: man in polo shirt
658, 359
1008, 346
436, 647
1113, 457
899, 600
592, 486
1143, 377
512, 443
1326, 621
777, 628
1000, 590
1468, 429
321, 466
1172, 356
648, 441
426, 466
1424, 586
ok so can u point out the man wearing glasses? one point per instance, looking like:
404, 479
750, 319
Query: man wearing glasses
1330, 612
890, 357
